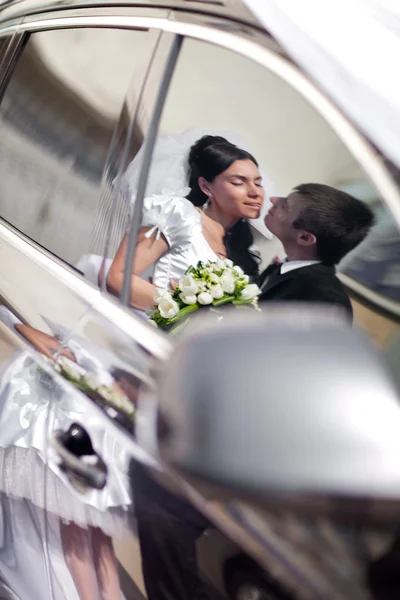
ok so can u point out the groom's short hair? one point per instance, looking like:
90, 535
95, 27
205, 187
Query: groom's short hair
338, 221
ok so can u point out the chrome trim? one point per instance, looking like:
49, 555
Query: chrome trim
106, 305
234, 10
13, 25
148, 147
359, 147
11, 55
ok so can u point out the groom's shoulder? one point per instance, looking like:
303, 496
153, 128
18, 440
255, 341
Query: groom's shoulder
314, 271
320, 280
324, 274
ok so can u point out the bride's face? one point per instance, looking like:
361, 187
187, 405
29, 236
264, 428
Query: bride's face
238, 191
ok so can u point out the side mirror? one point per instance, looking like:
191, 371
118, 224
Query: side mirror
288, 407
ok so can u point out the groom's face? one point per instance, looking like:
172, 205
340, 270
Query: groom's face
282, 215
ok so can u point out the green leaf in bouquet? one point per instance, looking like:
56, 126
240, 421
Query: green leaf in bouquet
240, 284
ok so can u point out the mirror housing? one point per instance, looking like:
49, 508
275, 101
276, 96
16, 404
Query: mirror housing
290, 406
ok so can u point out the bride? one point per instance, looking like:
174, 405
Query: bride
182, 225
203, 222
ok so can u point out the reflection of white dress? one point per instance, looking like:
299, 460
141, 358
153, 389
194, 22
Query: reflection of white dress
33, 405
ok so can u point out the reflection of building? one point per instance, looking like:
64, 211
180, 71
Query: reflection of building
40, 107
53, 149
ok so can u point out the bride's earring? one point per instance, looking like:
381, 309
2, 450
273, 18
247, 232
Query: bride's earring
207, 202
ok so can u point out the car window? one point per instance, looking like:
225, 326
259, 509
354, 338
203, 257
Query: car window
57, 119
216, 91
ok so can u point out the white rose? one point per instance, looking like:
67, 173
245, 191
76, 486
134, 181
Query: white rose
250, 291
228, 263
217, 292
160, 294
221, 264
168, 308
188, 285
189, 298
245, 278
228, 283
214, 278
238, 270
205, 298
202, 286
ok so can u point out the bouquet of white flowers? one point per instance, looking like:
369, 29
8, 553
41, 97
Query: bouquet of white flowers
114, 401
206, 285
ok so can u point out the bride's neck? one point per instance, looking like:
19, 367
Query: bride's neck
227, 221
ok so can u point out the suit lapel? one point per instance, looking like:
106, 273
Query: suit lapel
277, 278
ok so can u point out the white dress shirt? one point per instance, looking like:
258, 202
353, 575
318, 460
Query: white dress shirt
296, 264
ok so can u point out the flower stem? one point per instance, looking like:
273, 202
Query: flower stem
224, 300
183, 313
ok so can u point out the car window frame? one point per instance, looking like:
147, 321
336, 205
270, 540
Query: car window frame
188, 25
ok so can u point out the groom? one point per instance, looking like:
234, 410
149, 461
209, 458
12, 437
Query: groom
317, 226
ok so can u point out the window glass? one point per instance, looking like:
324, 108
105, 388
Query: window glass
215, 91
57, 119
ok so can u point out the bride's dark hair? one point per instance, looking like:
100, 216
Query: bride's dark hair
209, 157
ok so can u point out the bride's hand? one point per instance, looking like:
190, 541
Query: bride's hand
173, 283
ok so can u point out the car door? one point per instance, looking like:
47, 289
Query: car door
60, 116
232, 86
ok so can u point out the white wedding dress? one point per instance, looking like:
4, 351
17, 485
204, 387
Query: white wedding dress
173, 216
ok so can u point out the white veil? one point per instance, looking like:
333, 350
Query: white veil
169, 171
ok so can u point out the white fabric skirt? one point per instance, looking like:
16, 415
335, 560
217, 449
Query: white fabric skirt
32, 407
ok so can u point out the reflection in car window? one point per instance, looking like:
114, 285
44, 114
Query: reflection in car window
375, 264
57, 119
290, 140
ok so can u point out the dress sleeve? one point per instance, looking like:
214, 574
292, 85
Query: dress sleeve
172, 216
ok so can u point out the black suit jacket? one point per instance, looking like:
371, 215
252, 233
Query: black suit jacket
315, 283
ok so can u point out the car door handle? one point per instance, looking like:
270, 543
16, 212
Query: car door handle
76, 457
